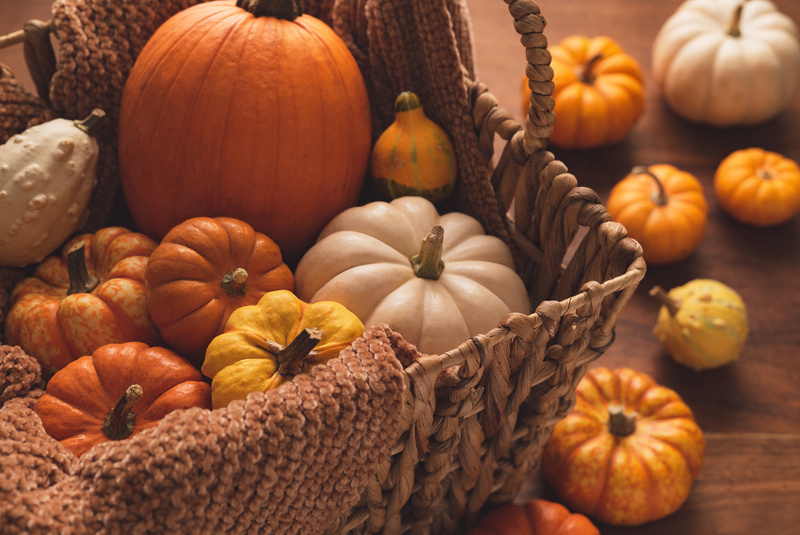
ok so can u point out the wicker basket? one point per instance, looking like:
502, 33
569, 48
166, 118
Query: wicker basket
476, 418
483, 436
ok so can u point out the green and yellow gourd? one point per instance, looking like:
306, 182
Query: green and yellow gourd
413, 156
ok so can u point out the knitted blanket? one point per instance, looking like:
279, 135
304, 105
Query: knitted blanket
288, 461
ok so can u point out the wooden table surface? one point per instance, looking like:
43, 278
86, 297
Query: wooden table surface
750, 410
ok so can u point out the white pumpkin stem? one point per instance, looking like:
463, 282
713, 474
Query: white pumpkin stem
620, 423
659, 198
234, 283
290, 359
80, 280
88, 124
121, 422
280, 9
735, 28
673, 305
428, 263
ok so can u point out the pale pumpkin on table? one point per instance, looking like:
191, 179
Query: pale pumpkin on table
436, 279
727, 62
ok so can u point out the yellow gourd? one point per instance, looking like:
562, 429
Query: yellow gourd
269, 343
47, 175
413, 156
702, 324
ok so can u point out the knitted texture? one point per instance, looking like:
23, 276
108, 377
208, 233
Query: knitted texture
288, 461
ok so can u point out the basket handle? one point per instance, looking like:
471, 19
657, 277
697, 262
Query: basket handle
529, 23
39, 54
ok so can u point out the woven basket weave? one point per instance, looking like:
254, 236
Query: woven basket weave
476, 440
476, 418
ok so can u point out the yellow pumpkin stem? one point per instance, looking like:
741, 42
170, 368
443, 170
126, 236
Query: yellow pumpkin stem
290, 359
735, 30
673, 305
91, 122
428, 262
586, 73
234, 283
80, 280
280, 9
121, 422
660, 198
620, 423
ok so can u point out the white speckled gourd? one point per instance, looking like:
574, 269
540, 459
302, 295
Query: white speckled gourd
47, 176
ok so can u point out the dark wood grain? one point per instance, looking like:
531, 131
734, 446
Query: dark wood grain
750, 410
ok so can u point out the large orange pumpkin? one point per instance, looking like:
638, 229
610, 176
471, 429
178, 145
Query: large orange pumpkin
534, 517
628, 452
204, 269
116, 392
255, 115
91, 295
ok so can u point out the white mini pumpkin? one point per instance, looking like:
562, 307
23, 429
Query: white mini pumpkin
366, 259
727, 62
47, 176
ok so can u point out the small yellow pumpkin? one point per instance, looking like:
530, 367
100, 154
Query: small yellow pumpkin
267, 344
702, 324
414, 155
758, 187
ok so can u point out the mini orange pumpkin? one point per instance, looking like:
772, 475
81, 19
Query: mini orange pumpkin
628, 452
758, 187
663, 208
91, 295
598, 91
534, 517
118, 391
204, 269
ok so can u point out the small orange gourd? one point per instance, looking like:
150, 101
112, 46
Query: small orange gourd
628, 452
534, 517
758, 187
663, 208
414, 155
598, 91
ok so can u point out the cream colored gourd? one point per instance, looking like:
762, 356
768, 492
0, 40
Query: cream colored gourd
436, 279
47, 175
727, 62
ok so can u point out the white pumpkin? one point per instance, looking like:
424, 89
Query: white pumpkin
47, 176
380, 261
727, 62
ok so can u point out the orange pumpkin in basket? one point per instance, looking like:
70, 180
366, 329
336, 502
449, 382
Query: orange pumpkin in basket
535, 517
663, 208
91, 295
250, 112
758, 187
628, 452
204, 269
598, 91
118, 391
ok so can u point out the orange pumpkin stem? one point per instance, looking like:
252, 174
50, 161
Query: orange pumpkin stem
428, 262
587, 72
673, 305
660, 197
121, 422
620, 423
80, 280
234, 283
735, 30
91, 122
290, 359
280, 9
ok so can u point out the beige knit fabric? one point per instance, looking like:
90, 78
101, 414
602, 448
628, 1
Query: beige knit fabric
288, 461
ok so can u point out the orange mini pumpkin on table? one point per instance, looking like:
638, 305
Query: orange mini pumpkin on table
91, 295
758, 187
534, 517
663, 208
628, 452
598, 91
116, 392
203, 270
